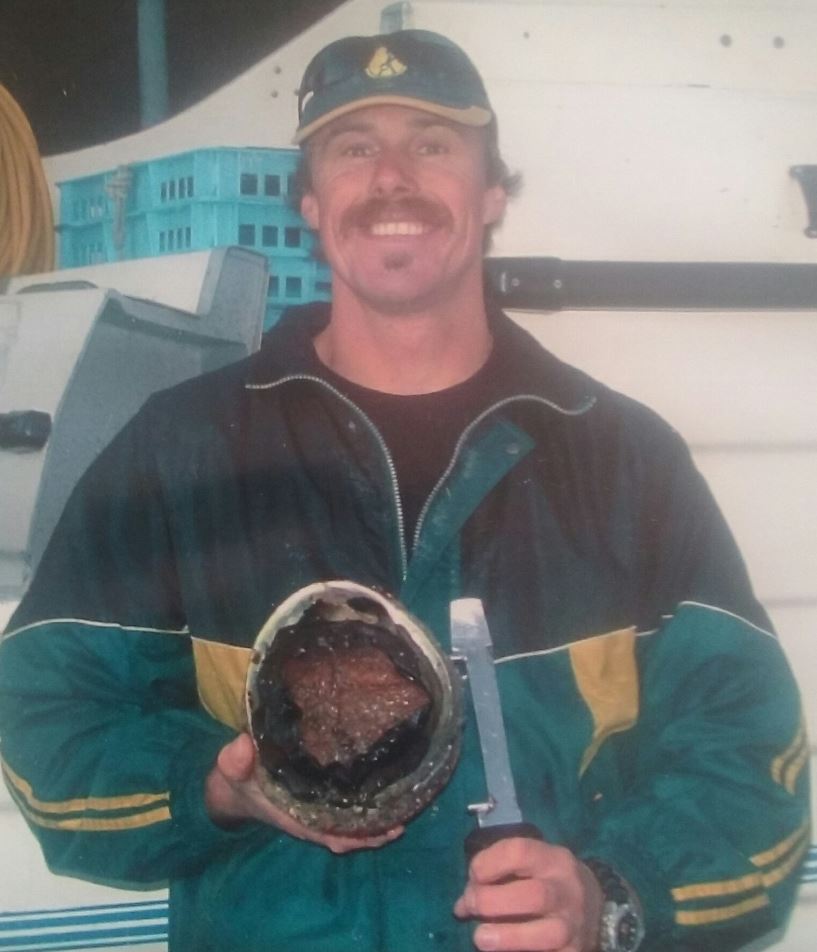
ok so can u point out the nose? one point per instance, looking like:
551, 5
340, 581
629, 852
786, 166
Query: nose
392, 175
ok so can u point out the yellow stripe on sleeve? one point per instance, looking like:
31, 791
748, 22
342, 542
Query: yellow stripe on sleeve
787, 855
703, 917
95, 824
779, 849
795, 768
773, 876
727, 887
133, 801
795, 748
751, 881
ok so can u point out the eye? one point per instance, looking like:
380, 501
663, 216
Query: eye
357, 150
433, 147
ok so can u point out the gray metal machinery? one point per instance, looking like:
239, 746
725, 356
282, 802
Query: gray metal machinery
77, 360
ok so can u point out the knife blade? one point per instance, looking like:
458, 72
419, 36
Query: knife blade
499, 816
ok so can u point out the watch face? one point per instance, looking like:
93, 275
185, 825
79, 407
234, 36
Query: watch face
621, 928
629, 932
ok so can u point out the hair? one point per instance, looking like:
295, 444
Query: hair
497, 172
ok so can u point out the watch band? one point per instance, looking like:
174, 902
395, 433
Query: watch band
622, 924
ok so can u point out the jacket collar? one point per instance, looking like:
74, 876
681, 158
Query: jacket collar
524, 367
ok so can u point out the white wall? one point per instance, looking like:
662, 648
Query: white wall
640, 135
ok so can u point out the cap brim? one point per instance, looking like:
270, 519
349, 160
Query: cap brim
470, 116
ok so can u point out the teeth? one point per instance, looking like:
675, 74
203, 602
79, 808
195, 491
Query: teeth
384, 228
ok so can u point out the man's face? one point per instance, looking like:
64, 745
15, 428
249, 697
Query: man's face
400, 199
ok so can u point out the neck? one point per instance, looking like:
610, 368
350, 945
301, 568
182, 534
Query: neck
411, 352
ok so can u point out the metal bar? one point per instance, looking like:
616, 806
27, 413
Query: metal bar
553, 284
152, 43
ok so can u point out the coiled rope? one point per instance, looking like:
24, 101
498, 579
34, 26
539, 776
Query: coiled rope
26, 218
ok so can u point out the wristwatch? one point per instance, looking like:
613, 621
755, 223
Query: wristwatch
622, 923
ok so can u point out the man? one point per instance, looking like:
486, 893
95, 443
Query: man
411, 437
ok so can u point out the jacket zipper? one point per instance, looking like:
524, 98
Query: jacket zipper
395, 488
467, 432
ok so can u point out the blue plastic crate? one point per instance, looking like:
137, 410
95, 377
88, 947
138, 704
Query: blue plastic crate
205, 198
193, 201
84, 201
85, 244
224, 174
84, 208
295, 281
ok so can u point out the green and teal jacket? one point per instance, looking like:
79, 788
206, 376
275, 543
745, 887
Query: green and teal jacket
652, 719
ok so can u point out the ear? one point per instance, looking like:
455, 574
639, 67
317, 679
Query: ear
494, 202
310, 211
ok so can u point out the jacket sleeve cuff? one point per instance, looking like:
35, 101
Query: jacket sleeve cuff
642, 874
195, 832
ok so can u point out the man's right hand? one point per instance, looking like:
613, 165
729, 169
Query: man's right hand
232, 794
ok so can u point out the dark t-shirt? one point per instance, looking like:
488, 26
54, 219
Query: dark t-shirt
420, 430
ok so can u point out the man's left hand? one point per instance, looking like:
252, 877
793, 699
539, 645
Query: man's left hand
531, 896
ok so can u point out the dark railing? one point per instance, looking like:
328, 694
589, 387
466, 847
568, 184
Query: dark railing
553, 284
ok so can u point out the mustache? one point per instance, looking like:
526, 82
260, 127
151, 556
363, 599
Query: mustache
412, 208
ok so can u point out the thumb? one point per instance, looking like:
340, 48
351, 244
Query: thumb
236, 760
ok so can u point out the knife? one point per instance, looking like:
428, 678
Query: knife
499, 817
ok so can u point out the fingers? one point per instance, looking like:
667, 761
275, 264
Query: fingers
531, 897
526, 897
267, 812
537, 935
521, 858
545, 918
336, 843
236, 760
346, 844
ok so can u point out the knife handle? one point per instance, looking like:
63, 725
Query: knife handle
484, 836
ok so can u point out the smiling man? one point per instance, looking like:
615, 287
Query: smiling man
409, 436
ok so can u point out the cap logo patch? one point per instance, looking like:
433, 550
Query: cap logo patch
384, 65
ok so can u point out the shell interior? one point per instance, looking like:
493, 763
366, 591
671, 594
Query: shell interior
332, 750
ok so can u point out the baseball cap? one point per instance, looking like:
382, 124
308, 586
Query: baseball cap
409, 68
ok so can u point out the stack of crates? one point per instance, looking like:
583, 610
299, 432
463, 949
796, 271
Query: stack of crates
206, 198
